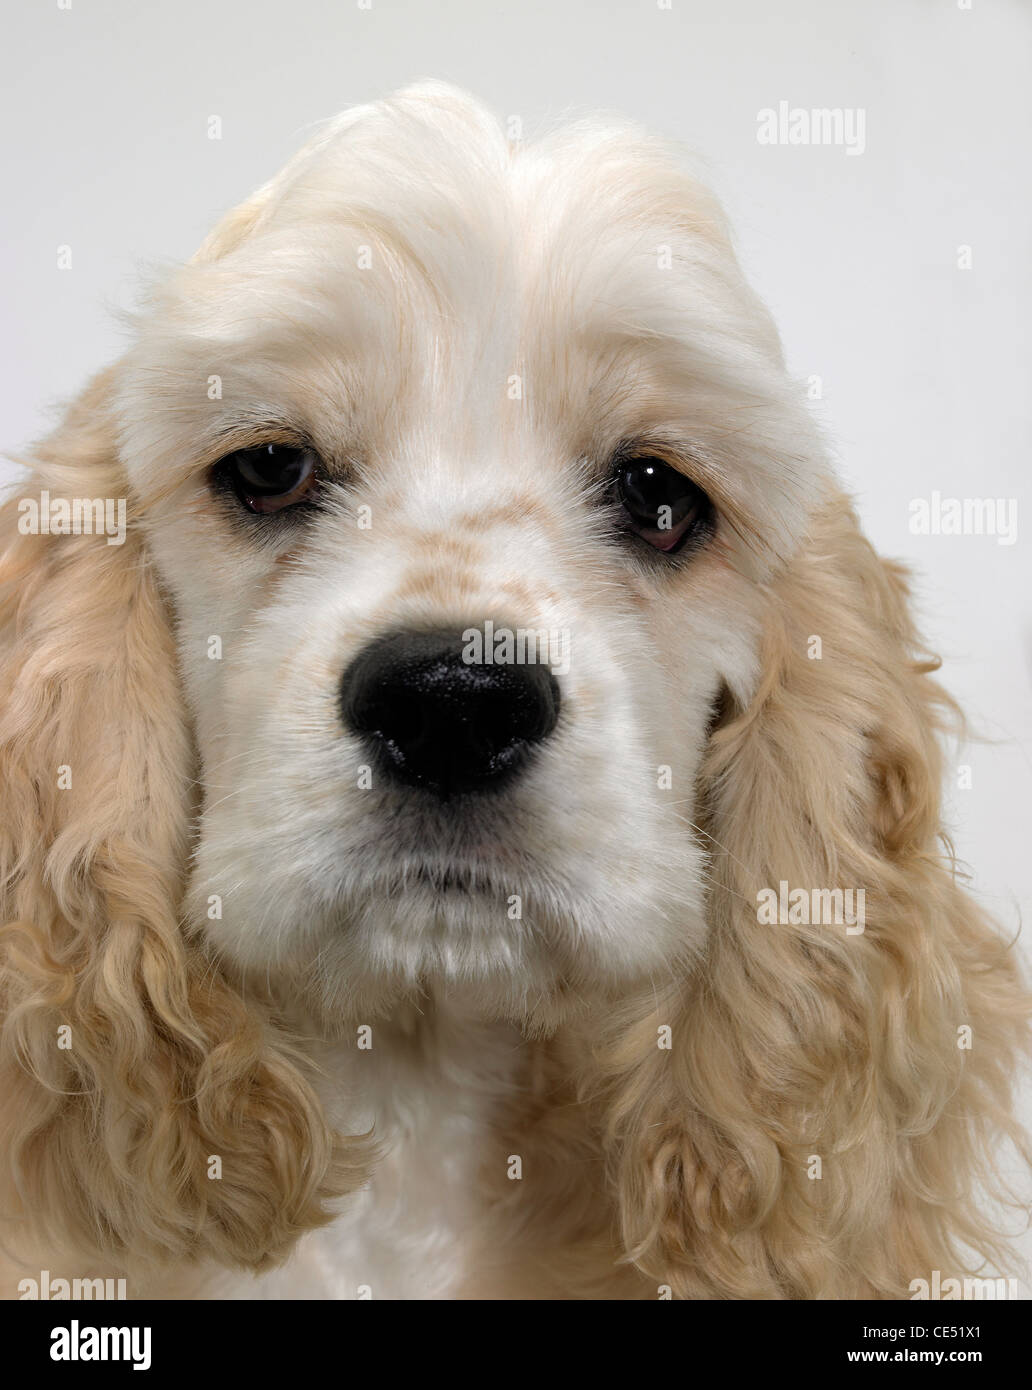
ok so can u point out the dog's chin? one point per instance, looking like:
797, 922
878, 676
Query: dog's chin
451, 932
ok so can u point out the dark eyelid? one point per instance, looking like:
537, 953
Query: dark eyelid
237, 439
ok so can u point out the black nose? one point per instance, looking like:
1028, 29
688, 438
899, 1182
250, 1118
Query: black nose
439, 722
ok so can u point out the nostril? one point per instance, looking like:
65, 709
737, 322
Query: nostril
433, 720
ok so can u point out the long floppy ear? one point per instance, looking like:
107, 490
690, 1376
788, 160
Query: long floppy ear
826, 1111
128, 1063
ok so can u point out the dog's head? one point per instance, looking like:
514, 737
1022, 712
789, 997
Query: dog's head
461, 464
478, 548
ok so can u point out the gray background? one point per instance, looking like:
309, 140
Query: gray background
925, 368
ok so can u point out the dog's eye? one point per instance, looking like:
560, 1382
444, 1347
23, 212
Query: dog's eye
270, 477
663, 506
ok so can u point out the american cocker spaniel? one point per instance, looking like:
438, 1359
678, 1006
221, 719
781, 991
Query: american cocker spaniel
471, 794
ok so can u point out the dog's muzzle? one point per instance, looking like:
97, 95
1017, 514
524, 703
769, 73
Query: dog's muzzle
436, 721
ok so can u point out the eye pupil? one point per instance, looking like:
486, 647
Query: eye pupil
663, 506
270, 477
270, 468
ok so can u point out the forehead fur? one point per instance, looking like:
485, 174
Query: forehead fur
412, 265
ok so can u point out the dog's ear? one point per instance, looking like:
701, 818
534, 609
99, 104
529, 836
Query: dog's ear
824, 1113
149, 1113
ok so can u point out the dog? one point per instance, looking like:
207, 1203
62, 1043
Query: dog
475, 832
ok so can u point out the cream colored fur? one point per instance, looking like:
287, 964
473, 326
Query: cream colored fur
469, 330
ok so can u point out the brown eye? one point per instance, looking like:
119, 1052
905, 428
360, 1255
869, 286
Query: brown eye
270, 477
663, 507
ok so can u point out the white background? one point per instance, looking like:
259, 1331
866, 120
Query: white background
925, 368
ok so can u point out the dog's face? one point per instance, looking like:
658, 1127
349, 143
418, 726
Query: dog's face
422, 383
463, 466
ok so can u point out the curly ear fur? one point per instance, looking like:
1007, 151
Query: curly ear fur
107, 1129
802, 1041
795, 1042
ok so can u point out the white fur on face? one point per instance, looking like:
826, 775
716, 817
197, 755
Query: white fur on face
468, 333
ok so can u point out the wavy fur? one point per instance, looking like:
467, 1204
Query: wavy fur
107, 1139
692, 1167
686, 1167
